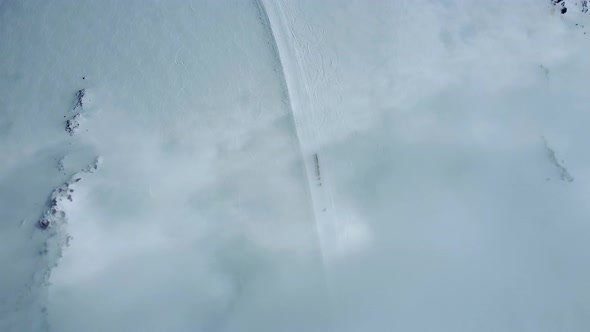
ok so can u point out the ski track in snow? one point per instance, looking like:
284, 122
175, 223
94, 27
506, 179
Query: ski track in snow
300, 128
306, 69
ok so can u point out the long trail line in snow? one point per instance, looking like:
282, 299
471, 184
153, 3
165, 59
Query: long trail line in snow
263, 14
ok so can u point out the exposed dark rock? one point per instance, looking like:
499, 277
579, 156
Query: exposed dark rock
55, 214
79, 102
564, 5
73, 124
564, 174
43, 223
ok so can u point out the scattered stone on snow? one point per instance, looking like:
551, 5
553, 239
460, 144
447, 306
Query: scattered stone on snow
79, 102
73, 124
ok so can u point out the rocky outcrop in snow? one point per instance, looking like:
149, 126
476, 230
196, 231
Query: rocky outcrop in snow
73, 124
55, 216
79, 102
564, 174
564, 6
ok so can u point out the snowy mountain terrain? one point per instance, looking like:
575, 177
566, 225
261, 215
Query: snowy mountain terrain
195, 165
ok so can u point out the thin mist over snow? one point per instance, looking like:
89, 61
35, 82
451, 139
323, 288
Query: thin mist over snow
294, 166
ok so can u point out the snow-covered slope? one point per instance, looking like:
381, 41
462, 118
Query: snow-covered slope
294, 165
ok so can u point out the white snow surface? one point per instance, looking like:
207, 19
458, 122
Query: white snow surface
278, 165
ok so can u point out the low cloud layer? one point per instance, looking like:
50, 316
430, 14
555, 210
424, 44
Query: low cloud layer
296, 166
